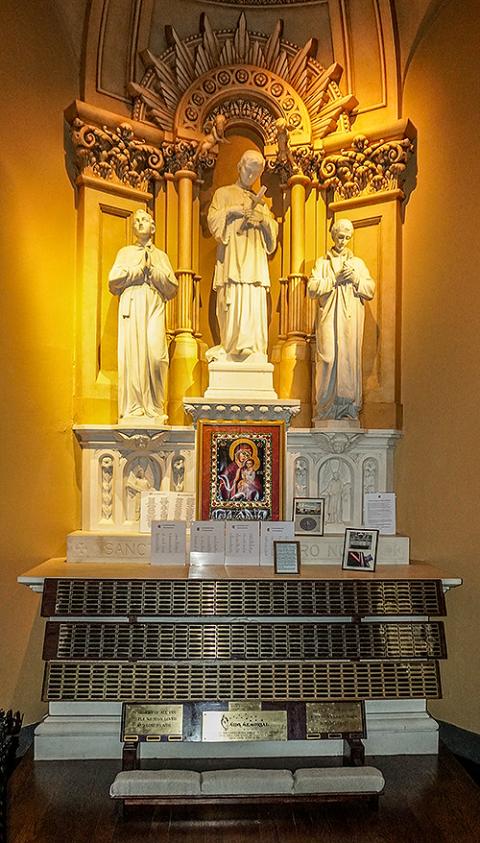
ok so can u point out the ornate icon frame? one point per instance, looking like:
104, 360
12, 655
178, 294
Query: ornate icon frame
268, 454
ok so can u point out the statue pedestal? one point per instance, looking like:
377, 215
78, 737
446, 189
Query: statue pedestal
228, 380
337, 425
242, 409
143, 422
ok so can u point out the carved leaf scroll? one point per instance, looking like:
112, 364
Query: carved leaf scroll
366, 166
115, 154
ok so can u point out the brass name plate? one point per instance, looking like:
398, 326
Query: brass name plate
329, 719
150, 722
244, 725
245, 705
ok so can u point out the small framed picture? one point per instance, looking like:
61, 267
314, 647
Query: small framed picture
286, 557
360, 550
308, 516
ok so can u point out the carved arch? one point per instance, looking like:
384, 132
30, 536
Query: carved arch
184, 85
244, 94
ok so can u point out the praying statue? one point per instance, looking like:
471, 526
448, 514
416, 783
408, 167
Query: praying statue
342, 284
144, 279
246, 233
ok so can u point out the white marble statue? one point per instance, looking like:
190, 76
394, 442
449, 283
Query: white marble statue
342, 284
144, 279
246, 233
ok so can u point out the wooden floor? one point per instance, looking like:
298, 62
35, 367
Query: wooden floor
426, 799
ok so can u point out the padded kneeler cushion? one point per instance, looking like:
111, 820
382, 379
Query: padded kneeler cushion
326, 780
156, 783
247, 782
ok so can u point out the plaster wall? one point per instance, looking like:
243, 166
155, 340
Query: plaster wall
38, 499
439, 465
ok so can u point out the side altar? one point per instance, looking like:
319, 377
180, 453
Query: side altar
239, 269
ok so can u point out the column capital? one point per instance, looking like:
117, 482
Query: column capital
298, 178
185, 174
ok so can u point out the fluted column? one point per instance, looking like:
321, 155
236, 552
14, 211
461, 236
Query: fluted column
295, 367
184, 376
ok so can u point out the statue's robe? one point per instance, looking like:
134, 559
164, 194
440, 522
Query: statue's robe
142, 346
339, 334
241, 277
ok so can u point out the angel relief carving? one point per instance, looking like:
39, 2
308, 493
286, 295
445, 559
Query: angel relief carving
335, 485
139, 477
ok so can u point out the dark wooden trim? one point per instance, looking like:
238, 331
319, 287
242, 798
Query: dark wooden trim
264, 799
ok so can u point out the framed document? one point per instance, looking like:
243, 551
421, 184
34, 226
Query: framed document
240, 468
309, 516
360, 550
286, 557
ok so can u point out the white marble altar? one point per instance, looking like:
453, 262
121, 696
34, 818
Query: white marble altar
339, 465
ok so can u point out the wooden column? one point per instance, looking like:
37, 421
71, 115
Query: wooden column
184, 373
295, 368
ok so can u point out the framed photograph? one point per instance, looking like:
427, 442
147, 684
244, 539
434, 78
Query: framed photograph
309, 516
360, 550
286, 556
240, 470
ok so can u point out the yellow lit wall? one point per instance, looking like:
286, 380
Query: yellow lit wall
439, 465
38, 498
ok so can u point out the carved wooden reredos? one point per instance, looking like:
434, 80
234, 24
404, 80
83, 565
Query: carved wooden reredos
162, 156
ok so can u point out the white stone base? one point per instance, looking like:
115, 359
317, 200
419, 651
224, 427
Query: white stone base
85, 546
328, 550
336, 425
239, 381
148, 422
81, 730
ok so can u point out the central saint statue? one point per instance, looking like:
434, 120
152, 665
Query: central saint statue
246, 233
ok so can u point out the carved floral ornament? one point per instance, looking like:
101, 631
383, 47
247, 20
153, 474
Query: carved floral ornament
119, 156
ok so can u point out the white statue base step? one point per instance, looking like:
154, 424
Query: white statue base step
337, 425
143, 422
98, 546
240, 381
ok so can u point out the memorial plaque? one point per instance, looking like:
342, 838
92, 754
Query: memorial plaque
151, 722
330, 720
244, 725
245, 705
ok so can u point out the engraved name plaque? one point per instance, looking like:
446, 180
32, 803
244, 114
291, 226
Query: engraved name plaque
151, 722
244, 725
245, 705
329, 720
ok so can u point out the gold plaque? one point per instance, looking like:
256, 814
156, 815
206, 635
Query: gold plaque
152, 722
244, 725
334, 718
245, 705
